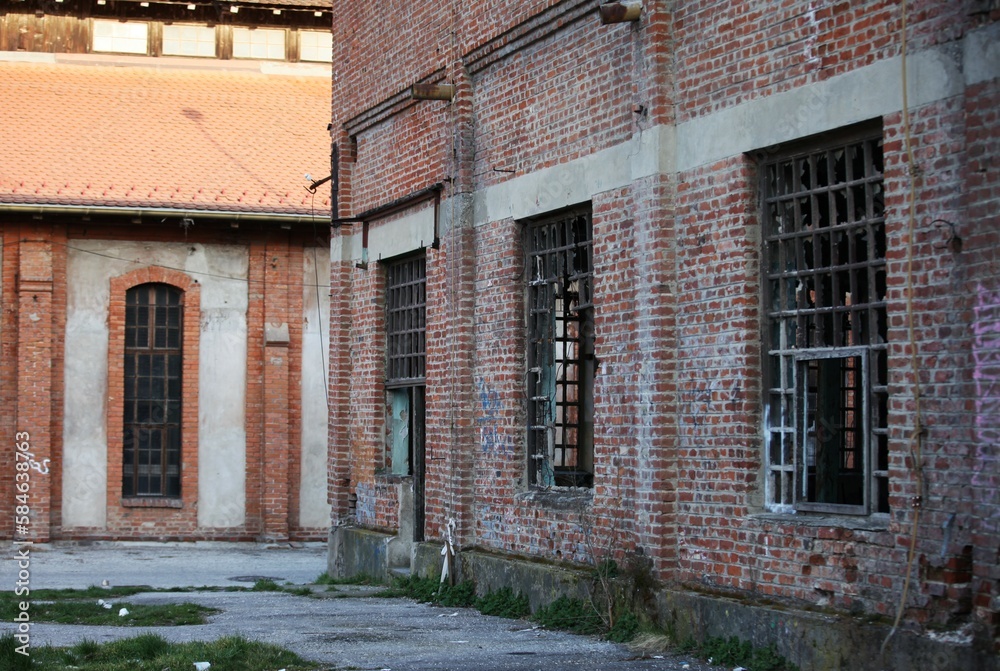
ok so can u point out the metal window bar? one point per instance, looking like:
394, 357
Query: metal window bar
560, 351
825, 285
406, 321
151, 456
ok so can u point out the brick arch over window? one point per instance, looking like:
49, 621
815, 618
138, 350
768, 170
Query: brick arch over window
173, 516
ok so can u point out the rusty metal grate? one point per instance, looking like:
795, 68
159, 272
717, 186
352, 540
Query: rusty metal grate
151, 458
561, 350
406, 321
825, 288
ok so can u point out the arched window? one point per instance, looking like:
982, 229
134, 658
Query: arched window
151, 456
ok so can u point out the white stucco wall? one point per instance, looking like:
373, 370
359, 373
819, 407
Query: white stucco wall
222, 373
314, 511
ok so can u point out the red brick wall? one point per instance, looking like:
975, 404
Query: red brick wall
677, 292
980, 245
731, 52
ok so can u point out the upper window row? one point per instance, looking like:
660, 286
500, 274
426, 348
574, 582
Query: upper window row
134, 37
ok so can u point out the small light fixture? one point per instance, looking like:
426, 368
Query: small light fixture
234, 9
317, 14
192, 7
276, 12
432, 92
144, 4
102, 2
621, 11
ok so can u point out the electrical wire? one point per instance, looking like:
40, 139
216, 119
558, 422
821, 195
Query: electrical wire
319, 310
187, 271
917, 435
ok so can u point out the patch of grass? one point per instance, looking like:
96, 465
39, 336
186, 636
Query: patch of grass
358, 579
624, 629
504, 603
266, 585
151, 652
569, 614
299, 591
430, 590
82, 607
734, 652
10, 659
92, 593
139, 615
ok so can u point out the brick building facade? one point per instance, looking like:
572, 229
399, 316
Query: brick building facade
697, 288
164, 274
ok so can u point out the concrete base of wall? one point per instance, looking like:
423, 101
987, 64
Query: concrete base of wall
353, 551
813, 641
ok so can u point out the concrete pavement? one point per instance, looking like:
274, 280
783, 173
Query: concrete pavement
346, 628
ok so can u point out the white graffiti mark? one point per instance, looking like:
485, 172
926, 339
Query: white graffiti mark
40, 466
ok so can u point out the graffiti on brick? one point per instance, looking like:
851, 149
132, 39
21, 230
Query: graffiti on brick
491, 527
491, 438
986, 358
364, 511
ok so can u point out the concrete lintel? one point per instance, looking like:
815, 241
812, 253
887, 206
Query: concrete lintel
981, 55
407, 233
646, 153
866, 93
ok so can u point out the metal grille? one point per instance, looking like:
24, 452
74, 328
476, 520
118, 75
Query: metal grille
561, 351
406, 322
825, 287
151, 460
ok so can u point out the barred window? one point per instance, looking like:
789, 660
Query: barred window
151, 460
406, 326
825, 287
406, 302
561, 350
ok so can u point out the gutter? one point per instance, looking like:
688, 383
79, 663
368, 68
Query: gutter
235, 217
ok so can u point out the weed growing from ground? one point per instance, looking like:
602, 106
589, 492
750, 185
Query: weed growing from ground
572, 615
266, 585
734, 652
358, 579
504, 603
429, 590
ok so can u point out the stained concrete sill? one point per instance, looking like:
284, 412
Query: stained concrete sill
871, 523
152, 503
563, 498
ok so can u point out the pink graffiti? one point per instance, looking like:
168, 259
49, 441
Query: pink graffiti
986, 374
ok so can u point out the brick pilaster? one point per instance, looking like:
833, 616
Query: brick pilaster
34, 372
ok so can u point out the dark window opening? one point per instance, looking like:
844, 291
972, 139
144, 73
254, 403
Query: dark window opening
406, 325
826, 332
560, 270
406, 368
151, 457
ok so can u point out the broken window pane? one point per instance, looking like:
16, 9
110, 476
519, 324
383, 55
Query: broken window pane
406, 324
561, 350
824, 249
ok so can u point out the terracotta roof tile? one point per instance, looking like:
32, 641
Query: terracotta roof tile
143, 137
